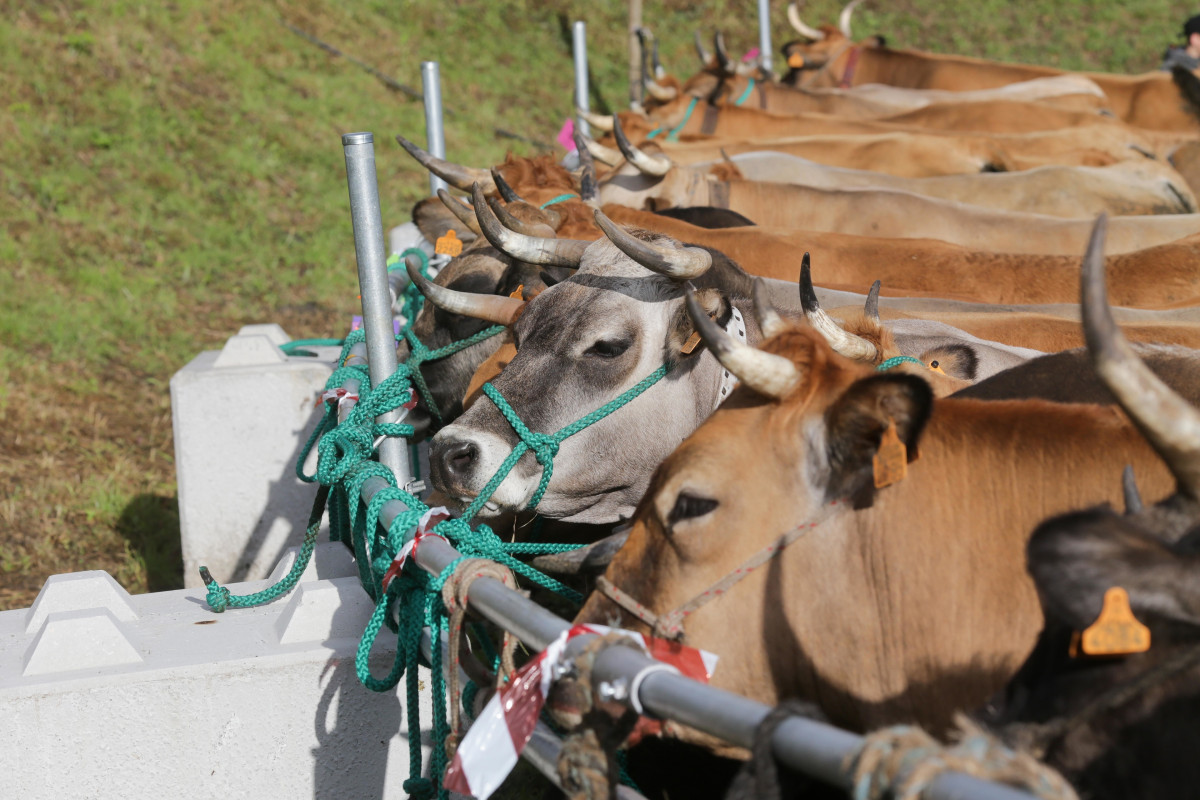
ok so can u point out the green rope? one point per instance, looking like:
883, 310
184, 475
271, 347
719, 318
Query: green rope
745, 94
418, 354
562, 198
673, 134
292, 348
896, 361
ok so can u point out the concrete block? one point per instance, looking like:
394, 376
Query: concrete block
174, 699
241, 416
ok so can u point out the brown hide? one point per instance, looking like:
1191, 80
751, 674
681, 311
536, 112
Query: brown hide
541, 179
1092, 142
907, 610
1041, 331
1149, 100
1157, 277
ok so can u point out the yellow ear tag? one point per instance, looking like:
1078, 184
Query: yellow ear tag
1116, 632
891, 461
796, 61
448, 245
691, 343
936, 367
518, 293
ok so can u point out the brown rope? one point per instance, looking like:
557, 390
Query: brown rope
454, 596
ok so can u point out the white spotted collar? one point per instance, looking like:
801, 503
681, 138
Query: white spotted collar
736, 327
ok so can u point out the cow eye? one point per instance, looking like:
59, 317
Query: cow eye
607, 348
689, 506
933, 364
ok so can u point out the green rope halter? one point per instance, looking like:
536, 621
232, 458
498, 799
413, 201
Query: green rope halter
745, 94
545, 445
673, 134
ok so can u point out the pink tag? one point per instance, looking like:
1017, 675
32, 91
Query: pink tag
566, 136
751, 56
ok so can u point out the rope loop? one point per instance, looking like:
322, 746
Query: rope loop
896, 361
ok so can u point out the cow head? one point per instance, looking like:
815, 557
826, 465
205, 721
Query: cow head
1131, 741
800, 432
579, 345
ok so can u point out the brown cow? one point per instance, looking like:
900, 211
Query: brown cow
904, 603
1150, 100
1158, 277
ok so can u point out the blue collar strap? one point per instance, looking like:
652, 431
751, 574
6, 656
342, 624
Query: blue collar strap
897, 361
560, 199
745, 94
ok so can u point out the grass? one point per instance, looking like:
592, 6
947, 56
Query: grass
172, 171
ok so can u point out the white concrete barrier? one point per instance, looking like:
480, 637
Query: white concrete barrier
111, 695
241, 416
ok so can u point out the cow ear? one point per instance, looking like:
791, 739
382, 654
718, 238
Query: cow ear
684, 338
433, 219
1075, 558
855, 424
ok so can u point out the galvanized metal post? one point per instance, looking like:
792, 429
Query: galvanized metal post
764, 35
431, 84
635, 56
579, 46
372, 282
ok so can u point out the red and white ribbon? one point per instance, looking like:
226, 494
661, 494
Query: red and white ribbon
495, 740
345, 400
429, 519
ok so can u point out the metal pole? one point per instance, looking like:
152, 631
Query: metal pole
431, 85
579, 46
372, 281
810, 747
764, 35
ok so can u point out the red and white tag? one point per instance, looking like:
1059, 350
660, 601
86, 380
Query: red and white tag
495, 740
429, 519
345, 400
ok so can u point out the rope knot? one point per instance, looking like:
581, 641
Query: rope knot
545, 447
218, 596
419, 788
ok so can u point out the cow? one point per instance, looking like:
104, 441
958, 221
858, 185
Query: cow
645, 178
1157, 277
1150, 100
582, 343
902, 603
1118, 721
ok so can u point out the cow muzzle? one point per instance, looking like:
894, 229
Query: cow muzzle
462, 462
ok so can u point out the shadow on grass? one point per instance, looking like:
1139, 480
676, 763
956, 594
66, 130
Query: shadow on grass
150, 524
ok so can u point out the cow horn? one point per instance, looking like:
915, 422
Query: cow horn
766, 373
491, 307
507, 192
769, 320
1170, 424
587, 177
594, 557
1129, 488
646, 164
843, 342
659, 72
700, 51
844, 17
793, 14
681, 264
465, 214
602, 152
457, 176
538, 229
530, 249
722, 54
871, 307
663, 94
601, 122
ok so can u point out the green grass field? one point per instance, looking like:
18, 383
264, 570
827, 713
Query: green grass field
172, 171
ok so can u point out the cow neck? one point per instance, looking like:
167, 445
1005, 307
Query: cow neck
1037, 738
829, 62
670, 624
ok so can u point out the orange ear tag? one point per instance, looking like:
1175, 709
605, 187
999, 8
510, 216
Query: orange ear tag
691, 343
1116, 632
796, 61
936, 367
891, 461
518, 293
448, 245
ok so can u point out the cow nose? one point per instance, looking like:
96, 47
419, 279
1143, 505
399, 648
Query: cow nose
459, 459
